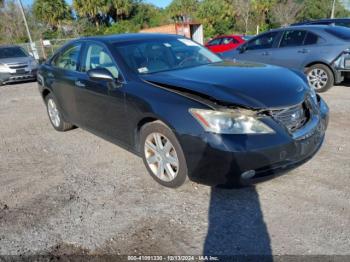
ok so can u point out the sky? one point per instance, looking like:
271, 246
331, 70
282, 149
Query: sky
159, 3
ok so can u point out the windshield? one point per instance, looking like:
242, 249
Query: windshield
10, 52
153, 56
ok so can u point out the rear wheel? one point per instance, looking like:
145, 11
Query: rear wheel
162, 155
55, 116
320, 77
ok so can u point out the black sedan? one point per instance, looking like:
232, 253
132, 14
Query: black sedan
184, 110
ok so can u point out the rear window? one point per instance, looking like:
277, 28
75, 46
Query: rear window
339, 31
10, 52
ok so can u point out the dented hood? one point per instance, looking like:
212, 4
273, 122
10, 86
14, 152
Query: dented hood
245, 84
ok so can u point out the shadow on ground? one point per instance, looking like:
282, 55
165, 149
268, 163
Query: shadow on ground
236, 224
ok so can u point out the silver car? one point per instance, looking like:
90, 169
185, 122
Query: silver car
16, 65
321, 51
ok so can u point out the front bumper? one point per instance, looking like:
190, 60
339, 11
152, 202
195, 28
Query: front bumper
6, 78
222, 159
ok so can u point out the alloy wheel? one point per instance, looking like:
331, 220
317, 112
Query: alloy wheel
317, 78
53, 113
161, 157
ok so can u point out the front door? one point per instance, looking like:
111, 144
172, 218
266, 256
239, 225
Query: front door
100, 104
259, 48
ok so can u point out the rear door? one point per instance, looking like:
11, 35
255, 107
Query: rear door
259, 48
101, 104
294, 48
62, 76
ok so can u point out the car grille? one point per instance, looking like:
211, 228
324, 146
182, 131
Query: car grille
17, 66
293, 117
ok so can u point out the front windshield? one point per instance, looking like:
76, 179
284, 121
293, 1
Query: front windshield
11, 52
153, 56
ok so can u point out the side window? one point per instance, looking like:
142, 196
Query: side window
311, 39
97, 57
229, 40
216, 41
262, 42
68, 59
293, 38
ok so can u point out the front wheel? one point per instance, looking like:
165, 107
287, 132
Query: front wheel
320, 77
162, 155
55, 116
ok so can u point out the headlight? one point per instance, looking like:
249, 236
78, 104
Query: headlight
3, 68
230, 122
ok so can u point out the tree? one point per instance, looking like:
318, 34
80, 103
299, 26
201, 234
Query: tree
51, 12
262, 9
216, 17
120, 9
316, 9
91, 9
284, 12
243, 11
183, 8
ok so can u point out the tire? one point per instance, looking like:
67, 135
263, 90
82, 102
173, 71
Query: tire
59, 123
320, 77
171, 175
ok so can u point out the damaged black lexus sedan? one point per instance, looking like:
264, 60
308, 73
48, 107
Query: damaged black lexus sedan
186, 112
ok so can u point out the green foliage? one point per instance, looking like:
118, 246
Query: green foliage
217, 18
184, 8
316, 9
122, 27
51, 12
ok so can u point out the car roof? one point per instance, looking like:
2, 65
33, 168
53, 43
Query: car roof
301, 27
7, 46
130, 37
330, 20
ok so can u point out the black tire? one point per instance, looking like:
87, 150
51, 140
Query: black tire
329, 73
63, 124
161, 128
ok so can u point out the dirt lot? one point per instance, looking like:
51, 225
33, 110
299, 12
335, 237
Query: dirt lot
76, 193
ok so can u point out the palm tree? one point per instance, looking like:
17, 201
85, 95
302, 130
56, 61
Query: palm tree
121, 8
91, 9
51, 12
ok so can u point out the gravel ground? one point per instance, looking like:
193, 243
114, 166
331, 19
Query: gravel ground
75, 193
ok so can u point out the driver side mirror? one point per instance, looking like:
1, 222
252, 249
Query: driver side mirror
100, 74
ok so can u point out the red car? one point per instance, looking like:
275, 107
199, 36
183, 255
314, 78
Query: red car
224, 43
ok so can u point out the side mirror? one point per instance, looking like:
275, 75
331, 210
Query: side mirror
242, 49
100, 74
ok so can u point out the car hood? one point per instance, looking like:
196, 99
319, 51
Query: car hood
244, 84
15, 60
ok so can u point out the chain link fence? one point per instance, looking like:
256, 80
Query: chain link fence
45, 48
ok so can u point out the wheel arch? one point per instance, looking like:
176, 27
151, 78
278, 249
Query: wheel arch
323, 63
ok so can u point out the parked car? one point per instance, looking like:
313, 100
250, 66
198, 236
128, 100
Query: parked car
322, 52
16, 65
334, 21
185, 111
225, 43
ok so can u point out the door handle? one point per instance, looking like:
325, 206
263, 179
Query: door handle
79, 84
303, 51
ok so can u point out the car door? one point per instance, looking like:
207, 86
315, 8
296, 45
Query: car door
259, 48
214, 45
100, 103
228, 43
294, 48
62, 76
